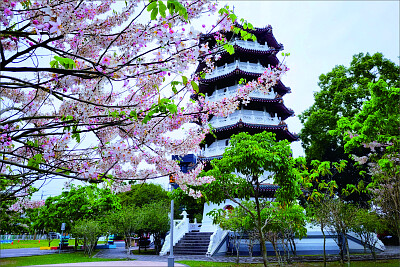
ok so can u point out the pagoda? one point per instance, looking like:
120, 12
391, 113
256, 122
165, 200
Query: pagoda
264, 112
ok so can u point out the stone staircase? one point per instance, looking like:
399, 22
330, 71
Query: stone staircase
193, 243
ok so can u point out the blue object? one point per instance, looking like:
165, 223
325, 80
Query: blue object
186, 162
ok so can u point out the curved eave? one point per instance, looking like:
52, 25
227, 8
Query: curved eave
281, 131
264, 35
265, 56
206, 85
275, 105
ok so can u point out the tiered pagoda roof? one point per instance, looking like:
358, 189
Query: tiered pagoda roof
264, 112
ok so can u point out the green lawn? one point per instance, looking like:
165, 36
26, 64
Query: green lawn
383, 263
36, 244
50, 259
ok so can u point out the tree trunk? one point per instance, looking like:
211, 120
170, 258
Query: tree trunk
76, 244
323, 234
262, 240
347, 249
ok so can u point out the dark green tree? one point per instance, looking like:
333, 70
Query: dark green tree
142, 194
342, 93
376, 128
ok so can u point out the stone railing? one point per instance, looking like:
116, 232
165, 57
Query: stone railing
227, 68
181, 227
251, 45
215, 149
215, 240
231, 90
247, 116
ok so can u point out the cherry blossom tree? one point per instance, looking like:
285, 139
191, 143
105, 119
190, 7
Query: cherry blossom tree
91, 90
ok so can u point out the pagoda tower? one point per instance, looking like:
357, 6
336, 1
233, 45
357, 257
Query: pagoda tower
265, 112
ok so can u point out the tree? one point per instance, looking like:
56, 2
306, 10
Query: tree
376, 128
342, 93
237, 175
237, 221
153, 220
89, 230
340, 221
123, 222
142, 194
367, 225
91, 89
81, 202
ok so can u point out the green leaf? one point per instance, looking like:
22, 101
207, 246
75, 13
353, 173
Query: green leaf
172, 108
162, 8
152, 5
77, 137
184, 80
195, 86
154, 14
229, 48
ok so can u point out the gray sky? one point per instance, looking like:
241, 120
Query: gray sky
318, 35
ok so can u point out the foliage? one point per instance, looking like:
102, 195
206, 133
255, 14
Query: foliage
340, 221
342, 93
237, 175
153, 219
90, 231
193, 206
110, 72
142, 194
367, 224
11, 221
376, 128
122, 222
81, 202
236, 220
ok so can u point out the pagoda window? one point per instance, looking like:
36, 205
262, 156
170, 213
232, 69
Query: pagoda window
227, 142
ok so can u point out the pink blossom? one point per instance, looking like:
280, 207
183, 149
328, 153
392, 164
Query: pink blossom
7, 12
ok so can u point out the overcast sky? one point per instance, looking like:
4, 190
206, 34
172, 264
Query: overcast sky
318, 35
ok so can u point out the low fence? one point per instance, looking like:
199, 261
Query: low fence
23, 237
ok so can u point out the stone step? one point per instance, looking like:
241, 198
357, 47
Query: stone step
193, 244
189, 243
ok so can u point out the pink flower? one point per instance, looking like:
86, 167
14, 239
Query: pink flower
7, 12
106, 60
55, 27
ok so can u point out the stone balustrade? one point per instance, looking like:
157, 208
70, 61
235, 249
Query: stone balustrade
227, 68
251, 45
231, 90
247, 116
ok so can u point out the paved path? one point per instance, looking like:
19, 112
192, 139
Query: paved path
20, 252
116, 263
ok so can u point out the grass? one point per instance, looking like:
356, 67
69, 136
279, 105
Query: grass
383, 263
36, 244
50, 259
